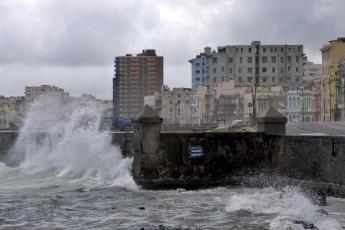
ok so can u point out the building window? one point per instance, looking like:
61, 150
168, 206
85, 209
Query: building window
223, 79
222, 68
289, 68
249, 59
297, 59
214, 70
241, 50
214, 80
197, 79
282, 69
250, 70
273, 79
240, 79
250, 79
273, 69
231, 59
264, 69
214, 60
281, 49
264, 50
289, 59
197, 71
239, 70
230, 70
249, 50
264, 59
274, 59
297, 69
281, 59
240, 59
197, 64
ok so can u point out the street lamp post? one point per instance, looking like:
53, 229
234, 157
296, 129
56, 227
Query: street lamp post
330, 100
324, 101
303, 105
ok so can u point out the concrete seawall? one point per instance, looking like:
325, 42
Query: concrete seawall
230, 158
7, 139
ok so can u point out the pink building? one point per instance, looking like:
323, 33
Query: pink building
228, 103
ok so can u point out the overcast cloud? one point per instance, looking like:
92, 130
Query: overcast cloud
72, 44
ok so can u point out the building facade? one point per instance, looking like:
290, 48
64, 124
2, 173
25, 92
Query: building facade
332, 54
34, 93
266, 97
12, 112
200, 105
254, 64
341, 90
311, 71
229, 103
174, 106
135, 77
301, 105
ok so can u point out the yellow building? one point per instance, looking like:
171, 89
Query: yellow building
332, 54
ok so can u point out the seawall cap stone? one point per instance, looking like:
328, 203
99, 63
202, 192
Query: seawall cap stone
271, 115
148, 115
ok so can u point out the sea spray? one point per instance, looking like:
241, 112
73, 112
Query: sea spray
63, 141
290, 207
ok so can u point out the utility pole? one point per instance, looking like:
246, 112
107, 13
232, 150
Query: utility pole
257, 74
303, 101
330, 101
324, 101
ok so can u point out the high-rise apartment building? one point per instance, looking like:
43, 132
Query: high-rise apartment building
135, 77
254, 64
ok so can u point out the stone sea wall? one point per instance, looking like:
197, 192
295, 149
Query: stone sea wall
162, 161
232, 156
7, 139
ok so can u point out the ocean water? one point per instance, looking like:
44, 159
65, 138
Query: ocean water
63, 173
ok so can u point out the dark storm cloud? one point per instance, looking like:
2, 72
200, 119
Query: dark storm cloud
308, 22
65, 38
79, 32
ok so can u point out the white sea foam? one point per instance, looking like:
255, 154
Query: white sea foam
290, 207
62, 142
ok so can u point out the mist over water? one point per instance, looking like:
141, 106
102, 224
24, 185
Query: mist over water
62, 143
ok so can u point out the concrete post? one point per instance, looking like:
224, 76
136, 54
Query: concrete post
146, 144
272, 122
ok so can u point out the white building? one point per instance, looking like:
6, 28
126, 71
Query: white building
264, 65
33, 93
310, 70
12, 112
174, 106
301, 105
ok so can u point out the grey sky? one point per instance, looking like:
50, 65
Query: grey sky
72, 44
